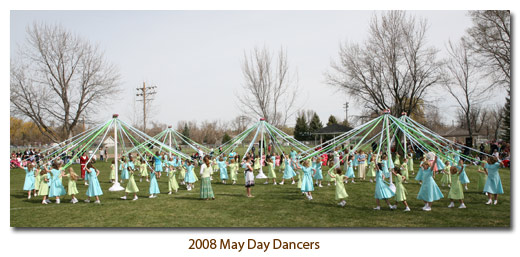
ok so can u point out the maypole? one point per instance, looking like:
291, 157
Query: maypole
116, 186
261, 145
170, 138
389, 163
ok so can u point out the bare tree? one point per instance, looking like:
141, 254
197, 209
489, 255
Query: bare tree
269, 89
240, 123
490, 38
463, 84
60, 78
393, 69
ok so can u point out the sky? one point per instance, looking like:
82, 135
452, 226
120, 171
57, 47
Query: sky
194, 57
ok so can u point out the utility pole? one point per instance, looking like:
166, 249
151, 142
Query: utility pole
147, 96
346, 111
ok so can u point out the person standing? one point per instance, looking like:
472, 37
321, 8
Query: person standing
362, 160
206, 191
83, 163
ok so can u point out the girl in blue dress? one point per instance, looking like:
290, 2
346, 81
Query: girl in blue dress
190, 175
493, 185
56, 188
419, 176
318, 176
124, 169
94, 189
29, 183
223, 170
288, 172
429, 191
385, 161
350, 170
382, 190
463, 176
157, 160
307, 186
154, 186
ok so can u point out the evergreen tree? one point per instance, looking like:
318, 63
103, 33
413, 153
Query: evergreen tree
506, 123
315, 123
301, 129
332, 120
186, 130
225, 138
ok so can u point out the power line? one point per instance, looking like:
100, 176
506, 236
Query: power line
147, 94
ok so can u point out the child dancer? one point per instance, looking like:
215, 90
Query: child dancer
56, 188
456, 192
113, 172
341, 193
72, 189
327, 177
270, 174
44, 185
222, 168
482, 178
307, 185
233, 170
493, 184
206, 191
157, 160
400, 191
372, 168
463, 177
28, 184
419, 176
131, 186
189, 179
446, 175
362, 160
397, 161
124, 169
410, 163
429, 190
94, 189
350, 169
318, 176
214, 167
355, 161
288, 172
172, 181
154, 186
182, 172
382, 191
404, 170
143, 170
37, 181
249, 176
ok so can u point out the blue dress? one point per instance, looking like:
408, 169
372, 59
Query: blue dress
55, 186
223, 170
28, 185
307, 185
386, 172
124, 171
493, 183
419, 176
288, 172
190, 175
463, 177
350, 170
382, 190
158, 163
94, 189
154, 187
429, 191
356, 162
319, 174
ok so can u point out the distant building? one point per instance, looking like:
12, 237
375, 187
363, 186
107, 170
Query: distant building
332, 130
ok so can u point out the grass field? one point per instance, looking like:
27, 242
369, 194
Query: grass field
272, 206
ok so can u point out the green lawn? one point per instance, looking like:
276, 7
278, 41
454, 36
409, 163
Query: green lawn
273, 206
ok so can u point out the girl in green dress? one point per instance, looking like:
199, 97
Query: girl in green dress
72, 189
172, 181
113, 172
131, 186
372, 169
44, 186
404, 169
143, 170
341, 193
410, 163
456, 192
327, 177
446, 175
271, 174
400, 191
233, 170
482, 177
37, 181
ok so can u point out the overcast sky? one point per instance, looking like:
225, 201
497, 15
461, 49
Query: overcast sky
194, 57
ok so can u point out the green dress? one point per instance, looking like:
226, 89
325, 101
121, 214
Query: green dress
482, 177
341, 193
404, 170
300, 176
327, 177
371, 170
172, 181
271, 173
400, 191
37, 181
233, 170
397, 162
72, 189
44, 185
112, 172
446, 177
456, 191
143, 169
131, 187
410, 165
